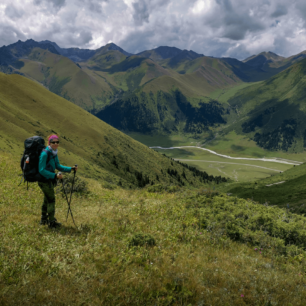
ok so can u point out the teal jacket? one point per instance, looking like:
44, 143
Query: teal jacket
52, 165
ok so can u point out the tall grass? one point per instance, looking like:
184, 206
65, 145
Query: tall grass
95, 264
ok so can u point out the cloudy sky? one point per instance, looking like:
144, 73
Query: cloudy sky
235, 28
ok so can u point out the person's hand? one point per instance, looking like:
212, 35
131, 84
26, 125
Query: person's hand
74, 168
59, 176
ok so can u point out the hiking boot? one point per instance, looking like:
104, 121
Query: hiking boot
44, 220
54, 224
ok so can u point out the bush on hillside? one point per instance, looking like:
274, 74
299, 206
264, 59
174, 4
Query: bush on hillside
250, 222
162, 188
80, 186
140, 239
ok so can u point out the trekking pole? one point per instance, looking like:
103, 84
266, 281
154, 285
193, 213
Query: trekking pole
64, 188
69, 208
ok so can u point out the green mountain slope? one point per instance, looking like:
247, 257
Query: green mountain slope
128, 73
165, 101
162, 112
264, 60
65, 78
101, 151
273, 112
272, 63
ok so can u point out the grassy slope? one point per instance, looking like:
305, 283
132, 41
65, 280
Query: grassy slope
105, 60
278, 99
288, 84
29, 109
292, 192
126, 74
210, 249
65, 78
201, 77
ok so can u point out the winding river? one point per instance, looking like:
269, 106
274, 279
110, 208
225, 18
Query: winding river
275, 159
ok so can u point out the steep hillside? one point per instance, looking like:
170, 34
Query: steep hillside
272, 63
273, 112
161, 113
65, 78
264, 60
125, 73
101, 151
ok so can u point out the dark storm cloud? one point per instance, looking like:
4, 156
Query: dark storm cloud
236, 28
55, 3
141, 13
10, 34
143, 9
233, 22
280, 10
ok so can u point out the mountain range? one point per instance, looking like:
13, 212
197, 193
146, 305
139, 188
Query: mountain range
169, 90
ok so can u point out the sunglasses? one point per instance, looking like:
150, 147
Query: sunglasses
54, 142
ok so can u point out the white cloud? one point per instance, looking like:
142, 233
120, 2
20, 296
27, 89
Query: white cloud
214, 27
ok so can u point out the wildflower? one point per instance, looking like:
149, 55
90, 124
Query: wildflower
242, 295
200, 233
255, 249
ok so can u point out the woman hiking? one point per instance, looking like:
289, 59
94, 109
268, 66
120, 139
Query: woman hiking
47, 170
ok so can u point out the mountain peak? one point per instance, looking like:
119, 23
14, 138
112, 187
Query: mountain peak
112, 47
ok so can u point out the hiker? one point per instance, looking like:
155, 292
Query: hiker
48, 171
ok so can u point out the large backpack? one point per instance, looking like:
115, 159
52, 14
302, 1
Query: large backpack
29, 163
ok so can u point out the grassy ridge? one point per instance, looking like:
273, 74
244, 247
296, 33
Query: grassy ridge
101, 151
209, 248
65, 78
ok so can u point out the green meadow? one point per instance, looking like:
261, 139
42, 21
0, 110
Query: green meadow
236, 170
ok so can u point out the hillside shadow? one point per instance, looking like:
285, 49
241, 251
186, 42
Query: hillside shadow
149, 140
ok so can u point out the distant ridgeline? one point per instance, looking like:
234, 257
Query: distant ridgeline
162, 112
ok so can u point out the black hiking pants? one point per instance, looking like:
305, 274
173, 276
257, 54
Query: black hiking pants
48, 206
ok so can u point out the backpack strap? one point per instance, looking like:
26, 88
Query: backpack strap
49, 155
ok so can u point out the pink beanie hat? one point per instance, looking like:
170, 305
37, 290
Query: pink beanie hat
52, 137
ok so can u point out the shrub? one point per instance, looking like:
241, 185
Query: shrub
80, 186
140, 239
161, 188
